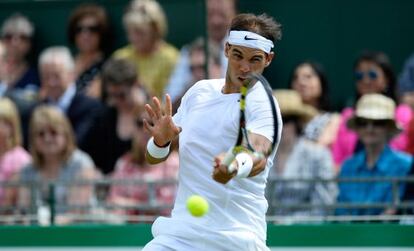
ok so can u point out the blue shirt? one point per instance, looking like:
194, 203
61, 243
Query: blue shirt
391, 163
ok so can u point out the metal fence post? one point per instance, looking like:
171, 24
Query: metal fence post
52, 203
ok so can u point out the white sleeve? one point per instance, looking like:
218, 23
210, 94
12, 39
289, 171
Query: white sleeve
178, 117
259, 117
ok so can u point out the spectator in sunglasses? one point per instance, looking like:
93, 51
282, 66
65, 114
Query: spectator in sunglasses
197, 57
374, 122
219, 16
373, 74
19, 79
16, 35
88, 30
113, 131
56, 158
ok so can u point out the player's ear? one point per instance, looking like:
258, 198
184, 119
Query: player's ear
227, 50
269, 58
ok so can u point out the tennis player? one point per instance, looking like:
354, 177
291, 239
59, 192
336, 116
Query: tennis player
207, 124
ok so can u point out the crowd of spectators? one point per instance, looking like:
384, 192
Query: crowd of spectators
79, 115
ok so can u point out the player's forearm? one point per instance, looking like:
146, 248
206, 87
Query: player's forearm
262, 145
259, 165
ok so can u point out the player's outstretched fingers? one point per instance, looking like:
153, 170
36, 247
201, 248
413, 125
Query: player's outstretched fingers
168, 105
157, 107
149, 111
148, 127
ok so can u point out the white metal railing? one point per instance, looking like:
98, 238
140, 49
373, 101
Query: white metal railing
98, 209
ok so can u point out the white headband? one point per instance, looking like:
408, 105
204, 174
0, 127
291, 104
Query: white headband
251, 40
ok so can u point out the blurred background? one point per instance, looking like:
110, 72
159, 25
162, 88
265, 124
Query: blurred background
331, 32
79, 163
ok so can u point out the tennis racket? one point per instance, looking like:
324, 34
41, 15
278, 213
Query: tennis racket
243, 143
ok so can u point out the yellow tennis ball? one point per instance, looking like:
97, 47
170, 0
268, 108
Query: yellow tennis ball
197, 205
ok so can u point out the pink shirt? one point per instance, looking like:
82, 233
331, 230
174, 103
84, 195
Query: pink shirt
346, 140
125, 169
11, 163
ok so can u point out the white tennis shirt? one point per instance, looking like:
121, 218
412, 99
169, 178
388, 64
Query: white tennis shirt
210, 121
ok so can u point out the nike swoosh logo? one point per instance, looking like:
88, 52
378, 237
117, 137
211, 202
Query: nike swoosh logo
249, 38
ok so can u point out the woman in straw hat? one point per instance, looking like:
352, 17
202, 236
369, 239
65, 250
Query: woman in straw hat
299, 157
375, 125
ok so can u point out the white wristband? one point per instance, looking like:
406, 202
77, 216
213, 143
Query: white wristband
156, 151
245, 165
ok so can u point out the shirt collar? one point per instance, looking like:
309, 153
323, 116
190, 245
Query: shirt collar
65, 100
381, 165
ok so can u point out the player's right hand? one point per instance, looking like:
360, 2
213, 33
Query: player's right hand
161, 125
220, 172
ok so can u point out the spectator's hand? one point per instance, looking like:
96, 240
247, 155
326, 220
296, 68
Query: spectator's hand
220, 172
162, 127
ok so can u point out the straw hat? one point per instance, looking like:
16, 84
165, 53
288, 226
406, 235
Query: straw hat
291, 104
375, 107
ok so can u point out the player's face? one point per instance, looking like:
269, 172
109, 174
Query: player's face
244, 61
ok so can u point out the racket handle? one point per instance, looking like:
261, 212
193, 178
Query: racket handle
228, 159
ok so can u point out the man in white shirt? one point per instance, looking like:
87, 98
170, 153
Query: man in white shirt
207, 124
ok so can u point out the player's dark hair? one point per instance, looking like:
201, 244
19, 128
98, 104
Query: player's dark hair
263, 25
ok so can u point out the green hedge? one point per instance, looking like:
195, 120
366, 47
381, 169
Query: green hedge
331, 235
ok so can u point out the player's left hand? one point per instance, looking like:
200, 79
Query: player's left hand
220, 172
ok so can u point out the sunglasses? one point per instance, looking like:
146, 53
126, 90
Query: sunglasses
360, 122
87, 28
194, 67
360, 75
51, 132
10, 36
117, 95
